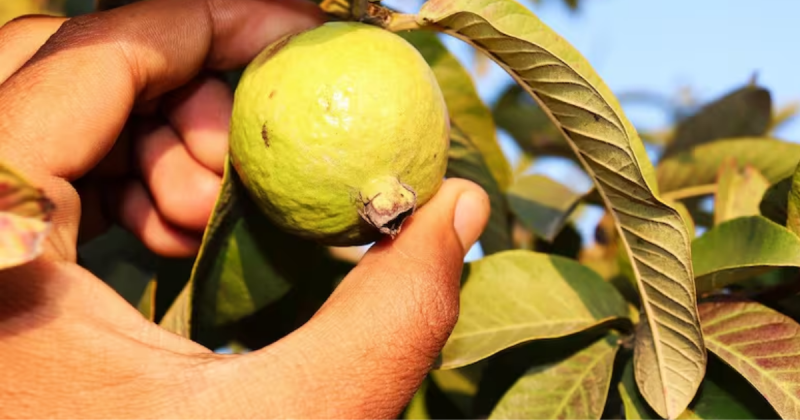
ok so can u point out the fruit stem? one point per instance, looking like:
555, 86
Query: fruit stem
386, 203
371, 12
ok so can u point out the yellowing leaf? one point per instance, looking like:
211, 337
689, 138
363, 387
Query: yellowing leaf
741, 248
517, 296
24, 219
742, 113
147, 303
573, 388
739, 192
762, 344
588, 115
542, 205
699, 166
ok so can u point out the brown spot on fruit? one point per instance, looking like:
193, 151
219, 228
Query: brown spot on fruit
271, 94
264, 134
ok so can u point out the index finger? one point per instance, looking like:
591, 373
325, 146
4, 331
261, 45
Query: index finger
63, 110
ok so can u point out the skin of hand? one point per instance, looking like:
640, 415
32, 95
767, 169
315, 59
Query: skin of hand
72, 347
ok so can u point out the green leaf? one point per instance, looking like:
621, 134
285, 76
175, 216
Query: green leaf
147, 303
465, 161
775, 203
590, 118
460, 385
686, 215
793, 204
741, 248
739, 192
722, 395
694, 172
744, 112
517, 296
541, 204
763, 345
474, 153
573, 388
529, 125
467, 110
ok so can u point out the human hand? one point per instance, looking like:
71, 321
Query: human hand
73, 347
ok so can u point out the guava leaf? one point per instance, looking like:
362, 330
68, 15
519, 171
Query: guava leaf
590, 118
541, 204
744, 112
147, 302
528, 124
123, 262
741, 248
460, 385
474, 151
739, 192
244, 264
517, 296
775, 202
793, 204
466, 109
24, 219
722, 395
762, 344
576, 387
694, 171
686, 215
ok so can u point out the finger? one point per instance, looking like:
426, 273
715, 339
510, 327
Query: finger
367, 350
21, 38
82, 84
183, 190
136, 212
200, 112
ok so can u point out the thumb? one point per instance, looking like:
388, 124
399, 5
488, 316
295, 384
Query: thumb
368, 348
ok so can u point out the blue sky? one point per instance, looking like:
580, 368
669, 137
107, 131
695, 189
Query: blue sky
708, 47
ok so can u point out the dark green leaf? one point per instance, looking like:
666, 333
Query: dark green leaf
541, 204
775, 203
745, 112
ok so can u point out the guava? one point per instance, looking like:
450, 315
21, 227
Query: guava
339, 133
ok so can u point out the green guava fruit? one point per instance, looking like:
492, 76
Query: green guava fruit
339, 133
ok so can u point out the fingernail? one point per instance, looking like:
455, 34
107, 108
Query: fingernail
470, 217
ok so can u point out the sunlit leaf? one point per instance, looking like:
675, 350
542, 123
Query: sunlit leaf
694, 172
541, 204
744, 112
784, 115
467, 110
573, 388
741, 248
793, 204
739, 192
24, 219
762, 344
585, 110
517, 296
688, 220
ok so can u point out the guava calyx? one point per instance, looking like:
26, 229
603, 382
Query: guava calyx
386, 203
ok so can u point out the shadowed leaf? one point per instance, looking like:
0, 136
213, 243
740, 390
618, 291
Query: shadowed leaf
741, 248
575, 387
590, 118
775, 203
739, 192
541, 204
147, 303
697, 169
763, 345
517, 296
744, 112
474, 151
